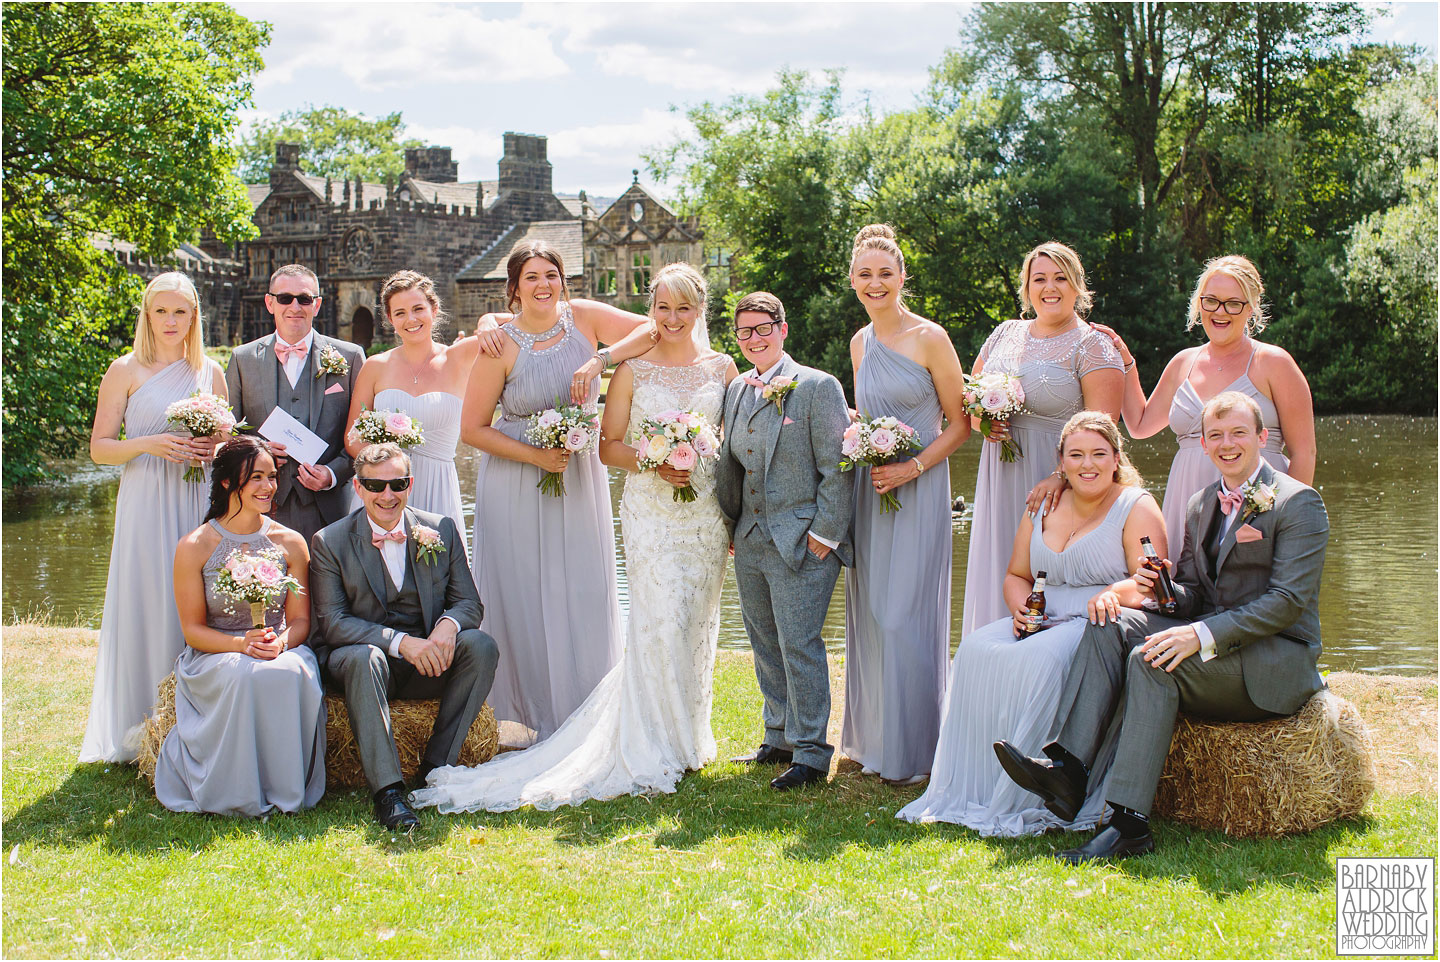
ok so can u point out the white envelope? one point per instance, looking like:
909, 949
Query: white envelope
301, 443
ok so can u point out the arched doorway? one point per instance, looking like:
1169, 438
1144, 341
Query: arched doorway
362, 327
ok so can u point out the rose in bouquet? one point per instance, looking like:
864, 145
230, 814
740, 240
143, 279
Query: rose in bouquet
567, 426
876, 441
202, 414
257, 579
680, 439
388, 427
995, 397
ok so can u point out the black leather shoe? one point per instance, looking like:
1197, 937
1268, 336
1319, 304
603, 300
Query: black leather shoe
796, 775
1059, 782
766, 755
1108, 843
392, 809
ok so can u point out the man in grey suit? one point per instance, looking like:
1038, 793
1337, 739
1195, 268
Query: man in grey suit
780, 484
312, 377
397, 616
1247, 591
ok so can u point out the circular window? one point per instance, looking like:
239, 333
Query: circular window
637, 211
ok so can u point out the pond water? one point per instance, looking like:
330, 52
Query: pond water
1376, 473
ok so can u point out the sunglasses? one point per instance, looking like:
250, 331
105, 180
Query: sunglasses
376, 485
305, 299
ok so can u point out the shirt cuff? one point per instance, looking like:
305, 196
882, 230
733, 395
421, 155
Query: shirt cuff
395, 644
832, 545
1207, 641
452, 621
332, 478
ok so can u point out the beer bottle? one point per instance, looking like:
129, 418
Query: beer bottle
1164, 588
1035, 605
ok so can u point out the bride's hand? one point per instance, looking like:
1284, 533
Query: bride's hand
672, 476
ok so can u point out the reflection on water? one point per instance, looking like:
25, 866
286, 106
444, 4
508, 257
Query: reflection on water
1377, 475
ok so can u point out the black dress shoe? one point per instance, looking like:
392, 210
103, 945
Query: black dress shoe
1060, 783
392, 809
766, 755
796, 775
1108, 843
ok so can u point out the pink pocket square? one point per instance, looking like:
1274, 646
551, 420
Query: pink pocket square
1245, 534
788, 421
335, 389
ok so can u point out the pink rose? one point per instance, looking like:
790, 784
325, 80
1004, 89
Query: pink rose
683, 457
781, 382
850, 446
549, 419
576, 439
882, 440
397, 423
704, 444
668, 416
268, 572
994, 400
852, 432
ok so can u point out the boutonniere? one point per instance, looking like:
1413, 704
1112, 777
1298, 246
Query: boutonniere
1259, 498
428, 545
331, 362
776, 391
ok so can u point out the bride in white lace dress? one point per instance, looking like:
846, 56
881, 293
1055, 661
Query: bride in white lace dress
648, 721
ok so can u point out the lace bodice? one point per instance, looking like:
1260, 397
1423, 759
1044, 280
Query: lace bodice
699, 387
1049, 368
223, 613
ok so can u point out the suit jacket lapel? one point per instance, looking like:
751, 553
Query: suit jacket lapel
370, 561
786, 368
1266, 476
424, 572
270, 373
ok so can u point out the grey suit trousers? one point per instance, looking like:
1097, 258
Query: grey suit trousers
1110, 683
368, 677
784, 611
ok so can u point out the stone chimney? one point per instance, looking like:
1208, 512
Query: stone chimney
432, 164
287, 161
523, 166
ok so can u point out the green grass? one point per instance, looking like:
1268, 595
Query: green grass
724, 867
220, 353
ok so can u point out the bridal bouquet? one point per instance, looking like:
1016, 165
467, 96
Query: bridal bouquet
876, 441
994, 397
567, 426
202, 414
677, 438
255, 578
388, 427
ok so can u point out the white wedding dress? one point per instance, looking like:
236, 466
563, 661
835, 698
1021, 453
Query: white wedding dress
648, 721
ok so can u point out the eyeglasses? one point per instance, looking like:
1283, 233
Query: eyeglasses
305, 299
764, 330
376, 485
1208, 303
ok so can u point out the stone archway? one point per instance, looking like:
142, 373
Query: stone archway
362, 327
357, 311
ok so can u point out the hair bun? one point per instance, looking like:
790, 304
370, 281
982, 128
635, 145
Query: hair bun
874, 230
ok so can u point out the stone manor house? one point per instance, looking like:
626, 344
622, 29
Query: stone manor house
355, 234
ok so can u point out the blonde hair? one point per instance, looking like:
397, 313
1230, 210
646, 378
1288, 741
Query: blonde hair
686, 284
179, 283
1104, 425
1070, 265
1247, 275
1226, 402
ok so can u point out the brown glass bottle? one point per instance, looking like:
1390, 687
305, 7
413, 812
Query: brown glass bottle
1165, 587
1035, 606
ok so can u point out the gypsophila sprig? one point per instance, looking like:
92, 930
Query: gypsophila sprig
202, 414
876, 441
995, 396
567, 426
428, 543
1259, 498
256, 578
388, 427
680, 439
331, 361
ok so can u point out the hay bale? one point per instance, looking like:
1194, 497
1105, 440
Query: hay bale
411, 722
1269, 778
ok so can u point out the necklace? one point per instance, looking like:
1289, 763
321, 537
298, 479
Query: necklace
1069, 326
1076, 529
1210, 351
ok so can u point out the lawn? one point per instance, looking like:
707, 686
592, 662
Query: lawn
725, 867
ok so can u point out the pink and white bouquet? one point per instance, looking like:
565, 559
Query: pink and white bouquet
257, 578
995, 396
202, 414
876, 441
680, 439
567, 426
388, 427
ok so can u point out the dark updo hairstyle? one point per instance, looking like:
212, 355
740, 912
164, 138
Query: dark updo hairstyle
519, 254
401, 281
233, 463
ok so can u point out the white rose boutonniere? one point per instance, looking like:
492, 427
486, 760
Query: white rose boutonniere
428, 543
1259, 498
331, 362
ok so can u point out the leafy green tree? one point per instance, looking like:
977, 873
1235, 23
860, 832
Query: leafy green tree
335, 143
117, 119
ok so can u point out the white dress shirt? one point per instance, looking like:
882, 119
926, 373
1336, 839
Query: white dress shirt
393, 554
1207, 640
291, 367
760, 393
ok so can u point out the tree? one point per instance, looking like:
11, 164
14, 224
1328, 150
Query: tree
117, 120
335, 143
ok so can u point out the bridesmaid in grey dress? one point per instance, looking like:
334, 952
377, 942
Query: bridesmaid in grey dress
897, 596
139, 631
1064, 365
249, 733
1004, 686
1227, 303
544, 566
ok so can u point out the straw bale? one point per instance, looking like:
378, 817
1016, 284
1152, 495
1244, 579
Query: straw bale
411, 722
1269, 778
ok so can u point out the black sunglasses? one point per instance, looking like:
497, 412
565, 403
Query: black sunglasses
305, 299
376, 485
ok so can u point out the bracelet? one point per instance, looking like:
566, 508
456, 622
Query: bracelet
1059, 472
919, 466
604, 355
1129, 367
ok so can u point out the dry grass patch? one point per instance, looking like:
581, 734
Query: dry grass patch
1400, 712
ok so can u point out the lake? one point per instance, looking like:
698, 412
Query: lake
1378, 475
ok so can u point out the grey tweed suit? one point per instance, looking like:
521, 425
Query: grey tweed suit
778, 480
257, 385
1260, 600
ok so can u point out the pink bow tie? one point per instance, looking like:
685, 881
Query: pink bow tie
1230, 500
285, 351
378, 540
754, 381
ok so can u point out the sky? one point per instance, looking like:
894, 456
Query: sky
600, 79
